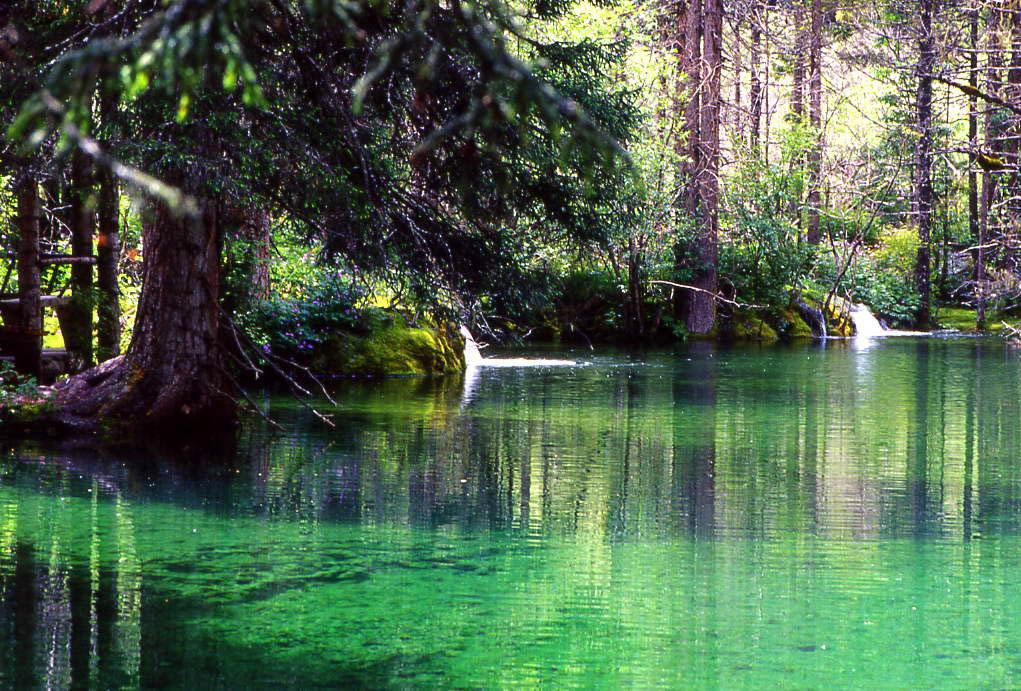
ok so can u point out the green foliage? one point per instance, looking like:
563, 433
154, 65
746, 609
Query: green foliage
762, 254
882, 279
15, 388
295, 326
590, 305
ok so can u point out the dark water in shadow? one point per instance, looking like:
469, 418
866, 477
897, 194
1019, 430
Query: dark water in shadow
838, 516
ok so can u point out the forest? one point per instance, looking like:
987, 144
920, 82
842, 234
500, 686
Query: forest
487, 344
203, 197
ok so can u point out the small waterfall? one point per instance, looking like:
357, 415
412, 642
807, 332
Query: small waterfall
865, 323
472, 354
473, 357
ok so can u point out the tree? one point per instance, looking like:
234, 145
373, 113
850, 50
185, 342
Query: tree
924, 158
446, 135
815, 120
701, 23
975, 224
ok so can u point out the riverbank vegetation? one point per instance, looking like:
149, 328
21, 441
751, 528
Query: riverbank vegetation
201, 195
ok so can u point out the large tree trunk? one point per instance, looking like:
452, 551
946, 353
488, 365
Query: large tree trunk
700, 24
815, 119
923, 160
173, 375
701, 318
108, 325
689, 92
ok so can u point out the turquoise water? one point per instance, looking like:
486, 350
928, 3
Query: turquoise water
806, 517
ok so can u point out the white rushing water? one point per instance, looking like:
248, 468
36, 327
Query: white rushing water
474, 362
867, 326
472, 354
865, 323
473, 357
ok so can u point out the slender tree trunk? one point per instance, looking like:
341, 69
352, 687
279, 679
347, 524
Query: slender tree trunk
109, 248
994, 131
923, 160
636, 320
767, 111
798, 70
78, 336
797, 103
976, 227
815, 119
980, 262
702, 313
991, 145
755, 89
738, 66
28, 356
1012, 148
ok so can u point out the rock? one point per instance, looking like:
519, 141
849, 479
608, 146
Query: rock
392, 347
807, 321
746, 326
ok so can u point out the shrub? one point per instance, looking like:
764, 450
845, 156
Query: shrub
15, 387
294, 326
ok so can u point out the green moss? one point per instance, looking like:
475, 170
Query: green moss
836, 325
750, 327
963, 319
795, 326
392, 347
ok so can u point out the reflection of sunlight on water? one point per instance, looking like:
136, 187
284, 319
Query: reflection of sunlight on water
474, 361
473, 370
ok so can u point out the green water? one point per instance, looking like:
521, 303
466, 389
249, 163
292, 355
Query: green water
807, 517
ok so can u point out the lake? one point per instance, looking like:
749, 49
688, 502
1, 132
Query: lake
836, 515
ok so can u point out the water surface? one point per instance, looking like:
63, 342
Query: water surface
815, 516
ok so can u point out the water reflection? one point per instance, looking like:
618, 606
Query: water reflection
710, 517
836, 442
71, 618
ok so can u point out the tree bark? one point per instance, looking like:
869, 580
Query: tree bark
78, 331
109, 247
701, 318
172, 376
689, 93
28, 355
755, 89
815, 120
256, 229
923, 160
1012, 148
798, 70
975, 225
